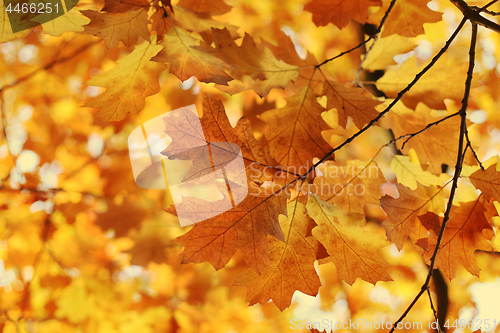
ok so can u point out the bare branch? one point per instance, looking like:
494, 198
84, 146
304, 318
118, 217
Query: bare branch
456, 176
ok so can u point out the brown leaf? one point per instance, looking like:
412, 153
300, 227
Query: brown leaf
126, 27
467, 230
244, 228
294, 131
436, 146
252, 65
488, 181
180, 51
402, 213
352, 103
122, 6
340, 12
210, 7
408, 17
351, 246
291, 266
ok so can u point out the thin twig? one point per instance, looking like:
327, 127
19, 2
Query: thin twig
426, 128
360, 69
473, 151
399, 96
391, 5
434, 310
456, 176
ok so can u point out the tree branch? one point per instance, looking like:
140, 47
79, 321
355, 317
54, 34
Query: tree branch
456, 176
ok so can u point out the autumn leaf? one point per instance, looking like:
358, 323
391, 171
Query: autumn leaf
126, 27
440, 82
294, 131
349, 186
488, 181
439, 144
179, 50
384, 50
409, 173
189, 142
71, 21
122, 6
291, 263
350, 103
340, 12
467, 231
351, 246
217, 7
244, 228
402, 213
408, 17
253, 65
128, 84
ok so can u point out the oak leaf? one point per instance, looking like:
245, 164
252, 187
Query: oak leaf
122, 6
383, 52
291, 265
252, 65
340, 12
179, 50
210, 7
402, 213
350, 102
127, 85
488, 181
214, 129
294, 131
436, 146
409, 173
244, 228
349, 186
467, 230
126, 27
351, 246
407, 18
440, 82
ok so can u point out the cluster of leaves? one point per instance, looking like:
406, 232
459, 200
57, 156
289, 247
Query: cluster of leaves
336, 175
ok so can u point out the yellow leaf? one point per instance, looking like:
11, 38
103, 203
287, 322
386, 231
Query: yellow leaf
129, 83
71, 21
409, 173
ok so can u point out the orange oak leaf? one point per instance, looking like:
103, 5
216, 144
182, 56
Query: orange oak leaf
244, 228
488, 181
294, 131
467, 230
340, 12
351, 246
407, 18
126, 27
128, 84
179, 50
252, 65
122, 6
291, 266
211, 7
402, 213
436, 146
440, 82
214, 128
349, 186
384, 50
350, 102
